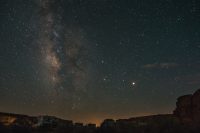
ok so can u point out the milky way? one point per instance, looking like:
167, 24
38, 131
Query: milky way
63, 53
79, 59
48, 43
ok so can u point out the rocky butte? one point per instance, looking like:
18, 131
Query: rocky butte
188, 108
185, 119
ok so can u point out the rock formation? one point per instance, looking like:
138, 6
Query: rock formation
196, 106
183, 108
188, 108
185, 119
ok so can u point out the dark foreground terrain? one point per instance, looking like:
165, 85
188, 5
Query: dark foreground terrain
185, 119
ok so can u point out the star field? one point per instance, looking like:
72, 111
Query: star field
88, 60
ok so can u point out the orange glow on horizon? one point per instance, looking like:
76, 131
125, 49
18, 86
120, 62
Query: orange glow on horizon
7, 120
99, 120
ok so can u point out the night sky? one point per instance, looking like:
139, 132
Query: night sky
87, 60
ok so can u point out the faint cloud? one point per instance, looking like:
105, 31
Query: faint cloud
164, 65
150, 65
168, 65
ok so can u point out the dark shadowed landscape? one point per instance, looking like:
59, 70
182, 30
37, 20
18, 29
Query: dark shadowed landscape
185, 119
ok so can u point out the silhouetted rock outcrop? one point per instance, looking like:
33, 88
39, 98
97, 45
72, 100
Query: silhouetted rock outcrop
184, 108
196, 106
186, 119
188, 108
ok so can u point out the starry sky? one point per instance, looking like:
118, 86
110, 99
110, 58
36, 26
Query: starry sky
87, 60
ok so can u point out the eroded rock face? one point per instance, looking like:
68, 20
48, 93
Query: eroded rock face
188, 108
184, 108
196, 106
